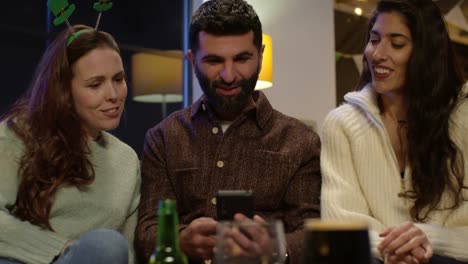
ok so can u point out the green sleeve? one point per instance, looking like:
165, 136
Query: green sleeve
128, 229
20, 240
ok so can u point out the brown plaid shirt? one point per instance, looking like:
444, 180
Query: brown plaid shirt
187, 157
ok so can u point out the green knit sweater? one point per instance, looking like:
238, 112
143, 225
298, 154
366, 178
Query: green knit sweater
111, 201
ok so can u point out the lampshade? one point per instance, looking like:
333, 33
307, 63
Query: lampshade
157, 77
265, 79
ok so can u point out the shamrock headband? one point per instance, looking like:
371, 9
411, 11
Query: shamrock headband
62, 10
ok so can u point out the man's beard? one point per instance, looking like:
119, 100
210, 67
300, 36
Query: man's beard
227, 105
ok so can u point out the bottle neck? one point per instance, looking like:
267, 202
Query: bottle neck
168, 231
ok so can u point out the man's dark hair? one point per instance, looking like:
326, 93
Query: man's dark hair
223, 18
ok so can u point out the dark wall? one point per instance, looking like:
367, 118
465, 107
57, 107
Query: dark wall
136, 25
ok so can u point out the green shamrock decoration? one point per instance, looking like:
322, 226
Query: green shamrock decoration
61, 9
102, 5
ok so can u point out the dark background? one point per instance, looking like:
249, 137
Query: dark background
136, 26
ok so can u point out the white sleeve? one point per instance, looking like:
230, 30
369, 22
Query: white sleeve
447, 241
341, 196
453, 241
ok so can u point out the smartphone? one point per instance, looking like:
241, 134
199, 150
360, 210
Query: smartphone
230, 202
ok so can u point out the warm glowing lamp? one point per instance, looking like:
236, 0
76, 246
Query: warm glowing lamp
265, 79
157, 78
358, 11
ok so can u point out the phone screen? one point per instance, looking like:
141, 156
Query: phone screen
230, 202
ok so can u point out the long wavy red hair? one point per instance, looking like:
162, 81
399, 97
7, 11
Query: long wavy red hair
56, 149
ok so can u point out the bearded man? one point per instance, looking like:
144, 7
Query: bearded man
231, 139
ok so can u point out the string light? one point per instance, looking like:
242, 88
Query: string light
358, 11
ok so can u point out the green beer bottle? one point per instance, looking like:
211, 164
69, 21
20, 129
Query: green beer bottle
167, 247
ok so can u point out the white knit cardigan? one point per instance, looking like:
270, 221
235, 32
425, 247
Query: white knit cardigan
361, 177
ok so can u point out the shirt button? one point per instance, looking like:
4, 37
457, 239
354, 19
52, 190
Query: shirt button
220, 164
213, 201
215, 130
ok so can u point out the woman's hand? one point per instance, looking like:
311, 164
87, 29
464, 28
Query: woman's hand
408, 258
404, 259
405, 243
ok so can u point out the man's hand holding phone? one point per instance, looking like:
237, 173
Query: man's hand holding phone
249, 237
197, 240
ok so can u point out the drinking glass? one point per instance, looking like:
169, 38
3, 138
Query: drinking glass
336, 242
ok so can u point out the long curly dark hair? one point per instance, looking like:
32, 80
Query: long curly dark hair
56, 145
433, 88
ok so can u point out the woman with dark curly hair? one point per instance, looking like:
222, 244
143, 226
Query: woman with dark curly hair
396, 153
69, 190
